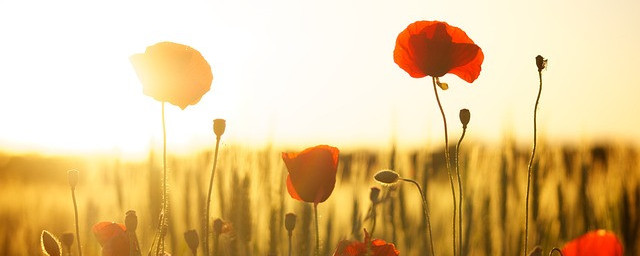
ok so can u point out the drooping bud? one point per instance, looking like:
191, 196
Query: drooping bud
217, 226
219, 125
465, 116
131, 221
374, 194
50, 244
72, 175
443, 86
67, 240
290, 221
387, 177
541, 63
191, 237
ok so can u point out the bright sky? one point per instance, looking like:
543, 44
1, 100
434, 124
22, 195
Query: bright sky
312, 72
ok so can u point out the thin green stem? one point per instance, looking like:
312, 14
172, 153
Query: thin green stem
530, 166
374, 217
425, 208
464, 130
290, 243
446, 157
165, 200
75, 208
315, 211
216, 244
206, 216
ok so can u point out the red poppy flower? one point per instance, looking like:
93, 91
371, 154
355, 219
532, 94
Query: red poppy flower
594, 243
312, 173
112, 237
435, 48
173, 73
377, 247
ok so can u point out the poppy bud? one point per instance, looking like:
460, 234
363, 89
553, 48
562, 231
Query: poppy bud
465, 115
72, 175
387, 177
218, 126
541, 63
131, 221
373, 195
191, 237
217, 226
67, 240
290, 221
50, 245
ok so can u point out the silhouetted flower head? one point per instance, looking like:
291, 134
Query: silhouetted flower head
594, 243
219, 125
173, 73
112, 237
376, 247
67, 240
435, 48
374, 194
386, 177
191, 237
465, 116
131, 220
541, 63
312, 173
72, 176
290, 221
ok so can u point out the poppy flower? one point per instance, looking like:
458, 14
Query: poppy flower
435, 48
112, 237
377, 247
312, 173
173, 73
594, 243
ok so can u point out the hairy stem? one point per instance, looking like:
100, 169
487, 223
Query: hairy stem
75, 208
425, 208
530, 167
464, 130
206, 216
446, 157
315, 211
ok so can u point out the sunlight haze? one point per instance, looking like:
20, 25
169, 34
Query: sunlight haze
299, 73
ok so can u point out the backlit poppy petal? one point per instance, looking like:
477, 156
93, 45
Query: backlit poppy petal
594, 243
312, 173
433, 48
174, 73
112, 237
378, 247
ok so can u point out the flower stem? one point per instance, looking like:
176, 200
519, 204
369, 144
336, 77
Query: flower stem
75, 208
446, 157
425, 208
464, 130
165, 202
315, 212
206, 216
290, 243
530, 166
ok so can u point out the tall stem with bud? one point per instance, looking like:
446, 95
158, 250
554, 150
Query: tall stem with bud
290, 224
219, 125
541, 63
465, 116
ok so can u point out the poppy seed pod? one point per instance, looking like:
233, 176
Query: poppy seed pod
290, 221
72, 175
374, 194
541, 63
217, 226
191, 237
465, 116
50, 245
219, 126
67, 240
131, 221
386, 177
